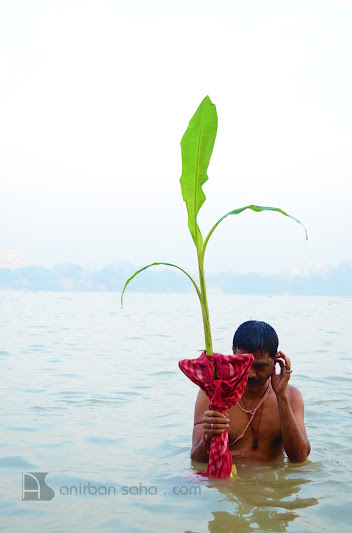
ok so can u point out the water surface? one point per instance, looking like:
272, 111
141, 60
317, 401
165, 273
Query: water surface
92, 394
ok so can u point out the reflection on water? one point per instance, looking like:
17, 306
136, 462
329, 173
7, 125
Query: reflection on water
92, 393
262, 497
265, 498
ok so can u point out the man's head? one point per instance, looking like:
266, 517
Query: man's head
254, 335
260, 339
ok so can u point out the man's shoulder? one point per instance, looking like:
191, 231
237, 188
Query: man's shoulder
294, 395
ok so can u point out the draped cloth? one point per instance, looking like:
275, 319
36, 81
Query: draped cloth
223, 392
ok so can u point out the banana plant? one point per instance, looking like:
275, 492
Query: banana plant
197, 145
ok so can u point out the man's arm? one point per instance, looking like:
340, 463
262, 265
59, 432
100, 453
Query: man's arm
212, 423
294, 436
291, 409
199, 450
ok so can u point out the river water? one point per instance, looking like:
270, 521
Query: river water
91, 394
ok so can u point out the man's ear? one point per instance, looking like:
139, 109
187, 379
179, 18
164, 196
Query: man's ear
233, 350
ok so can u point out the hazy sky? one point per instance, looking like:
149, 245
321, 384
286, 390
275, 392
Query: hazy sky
96, 95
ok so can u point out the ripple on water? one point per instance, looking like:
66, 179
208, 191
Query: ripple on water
21, 428
105, 441
15, 461
161, 335
67, 393
38, 347
107, 401
93, 402
164, 373
341, 379
69, 375
41, 408
32, 390
4, 353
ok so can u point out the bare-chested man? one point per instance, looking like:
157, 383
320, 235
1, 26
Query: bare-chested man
278, 423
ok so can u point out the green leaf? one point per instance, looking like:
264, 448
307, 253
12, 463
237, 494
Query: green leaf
167, 264
255, 208
197, 145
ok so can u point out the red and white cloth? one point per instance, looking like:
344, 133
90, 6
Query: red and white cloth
223, 392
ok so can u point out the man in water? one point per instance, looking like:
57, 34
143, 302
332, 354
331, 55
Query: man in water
269, 418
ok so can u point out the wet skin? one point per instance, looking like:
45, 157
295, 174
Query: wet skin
281, 425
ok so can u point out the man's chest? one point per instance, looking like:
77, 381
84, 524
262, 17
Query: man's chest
263, 434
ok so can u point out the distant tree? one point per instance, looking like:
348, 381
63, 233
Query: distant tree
68, 270
7, 275
38, 278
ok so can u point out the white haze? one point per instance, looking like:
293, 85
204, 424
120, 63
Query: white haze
95, 97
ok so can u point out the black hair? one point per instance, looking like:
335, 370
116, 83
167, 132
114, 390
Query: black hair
254, 335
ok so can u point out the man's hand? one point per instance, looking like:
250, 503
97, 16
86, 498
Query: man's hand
279, 381
214, 423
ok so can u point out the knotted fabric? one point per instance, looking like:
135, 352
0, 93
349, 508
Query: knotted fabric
223, 392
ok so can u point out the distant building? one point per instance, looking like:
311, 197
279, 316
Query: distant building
11, 258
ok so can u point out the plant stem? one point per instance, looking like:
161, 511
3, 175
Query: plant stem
205, 309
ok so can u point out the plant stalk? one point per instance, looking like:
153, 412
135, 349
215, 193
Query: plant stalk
205, 308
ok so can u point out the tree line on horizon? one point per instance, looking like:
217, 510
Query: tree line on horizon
335, 281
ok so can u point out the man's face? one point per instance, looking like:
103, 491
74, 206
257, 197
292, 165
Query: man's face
261, 369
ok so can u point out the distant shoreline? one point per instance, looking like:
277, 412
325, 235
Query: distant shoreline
335, 281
